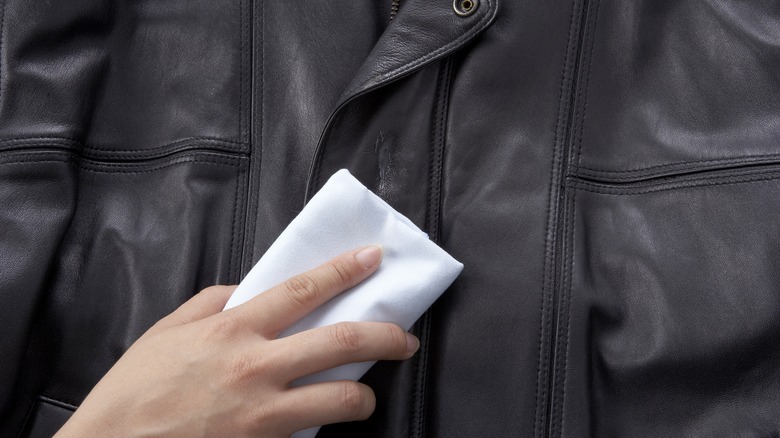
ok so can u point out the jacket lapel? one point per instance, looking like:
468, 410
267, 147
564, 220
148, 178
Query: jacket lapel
422, 32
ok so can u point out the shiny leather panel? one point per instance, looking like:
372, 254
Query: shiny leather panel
138, 239
675, 308
485, 334
677, 84
296, 89
123, 78
607, 172
37, 195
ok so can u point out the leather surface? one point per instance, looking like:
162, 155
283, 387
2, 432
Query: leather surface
608, 172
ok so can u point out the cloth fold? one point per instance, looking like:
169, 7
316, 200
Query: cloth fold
342, 216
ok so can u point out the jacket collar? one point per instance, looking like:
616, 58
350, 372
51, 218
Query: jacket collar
422, 32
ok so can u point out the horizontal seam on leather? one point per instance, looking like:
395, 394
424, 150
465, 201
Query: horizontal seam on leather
73, 149
737, 160
58, 403
118, 167
700, 182
164, 149
101, 168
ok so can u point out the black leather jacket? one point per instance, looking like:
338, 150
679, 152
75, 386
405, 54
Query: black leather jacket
607, 170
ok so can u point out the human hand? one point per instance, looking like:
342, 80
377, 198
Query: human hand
203, 372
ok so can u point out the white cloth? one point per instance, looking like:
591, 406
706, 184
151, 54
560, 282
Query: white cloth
342, 216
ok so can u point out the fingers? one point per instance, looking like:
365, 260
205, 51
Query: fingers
339, 344
326, 403
207, 302
281, 306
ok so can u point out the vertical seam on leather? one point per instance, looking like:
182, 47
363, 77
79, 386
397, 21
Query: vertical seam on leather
562, 347
568, 274
239, 238
585, 86
2, 49
255, 147
559, 298
435, 176
244, 97
557, 363
238, 250
241, 70
573, 243
544, 320
233, 245
441, 102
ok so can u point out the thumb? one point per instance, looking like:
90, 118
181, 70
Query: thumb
205, 303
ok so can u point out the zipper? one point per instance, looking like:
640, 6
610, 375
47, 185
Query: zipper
394, 6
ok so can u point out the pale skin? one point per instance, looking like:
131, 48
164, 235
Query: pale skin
203, 372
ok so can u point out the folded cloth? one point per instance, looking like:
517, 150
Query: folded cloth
342, 216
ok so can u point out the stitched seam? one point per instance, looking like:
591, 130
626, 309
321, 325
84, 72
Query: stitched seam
2, 50
321, 155
58, 403
241, 71
434, 187
37, 161
563, 319
753, 158
541, 374
153, 169
561, 377
247, 106
168, 147
44, 137
262, 124
680, 181
122, 159
71, 148
724, 181
33, 157
422, 373
231, 275
570, 274
558, 329
87, 167
411, 426
586, 86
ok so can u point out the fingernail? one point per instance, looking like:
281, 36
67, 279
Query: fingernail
412, 343
369, 256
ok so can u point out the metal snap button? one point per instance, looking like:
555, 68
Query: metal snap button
464, 8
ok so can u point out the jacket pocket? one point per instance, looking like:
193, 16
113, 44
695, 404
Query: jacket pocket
674, 293
131, 241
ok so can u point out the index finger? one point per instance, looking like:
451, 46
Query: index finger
279, 307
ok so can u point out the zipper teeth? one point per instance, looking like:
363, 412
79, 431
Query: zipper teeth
394, 8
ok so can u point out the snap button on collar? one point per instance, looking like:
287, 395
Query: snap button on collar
464, 8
